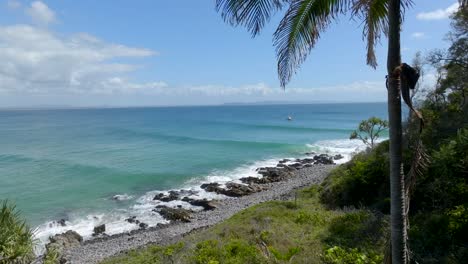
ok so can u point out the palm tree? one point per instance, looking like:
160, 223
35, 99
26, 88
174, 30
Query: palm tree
297, 34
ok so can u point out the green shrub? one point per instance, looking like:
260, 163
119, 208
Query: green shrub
361, 182
16, 239
234, 252
338, 255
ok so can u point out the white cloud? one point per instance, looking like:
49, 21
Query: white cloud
356, 91
439, 13
41, 13
418, 35
13, 4
36, 60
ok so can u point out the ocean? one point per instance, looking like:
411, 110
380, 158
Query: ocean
93, 166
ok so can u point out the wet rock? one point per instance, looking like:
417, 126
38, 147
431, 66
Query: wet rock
61, 242
143, 225
250, 180
206, 204
237, 190
310, 153
132, 220
323, 159
173, 195
284, 160
62, 222
174, 214
338, 157
210, 187
100, 229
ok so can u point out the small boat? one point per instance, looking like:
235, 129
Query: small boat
289, 118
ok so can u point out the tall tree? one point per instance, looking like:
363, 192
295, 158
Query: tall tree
397, 187
297, 34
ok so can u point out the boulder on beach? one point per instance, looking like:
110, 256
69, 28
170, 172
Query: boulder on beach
210, 187
173, 195
143, 225
100, 229
206, 204
338, 157
173, 214
61, 242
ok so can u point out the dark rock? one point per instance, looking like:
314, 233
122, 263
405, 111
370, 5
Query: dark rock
174, 214
250, 180
206, 204
143, 225
284, 160
100, 229
132, 219
338, 157
236, 190
310, 153
173, 195
210, 187
323, 159
62, 222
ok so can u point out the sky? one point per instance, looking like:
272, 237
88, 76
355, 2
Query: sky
156, 52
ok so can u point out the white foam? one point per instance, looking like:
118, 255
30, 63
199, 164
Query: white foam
346, 147
142, 209
122, 197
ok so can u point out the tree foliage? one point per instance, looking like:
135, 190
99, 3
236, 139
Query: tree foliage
369, 130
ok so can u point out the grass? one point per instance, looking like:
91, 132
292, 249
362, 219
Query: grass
277, 232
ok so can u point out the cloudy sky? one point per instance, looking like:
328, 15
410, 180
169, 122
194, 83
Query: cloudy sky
158, 52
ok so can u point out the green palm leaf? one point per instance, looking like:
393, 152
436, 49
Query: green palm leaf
300, 29
252, 14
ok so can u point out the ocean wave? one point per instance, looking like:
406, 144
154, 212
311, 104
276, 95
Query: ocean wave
143, 205
345, 147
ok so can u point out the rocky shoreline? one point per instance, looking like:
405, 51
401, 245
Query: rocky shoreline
275, 183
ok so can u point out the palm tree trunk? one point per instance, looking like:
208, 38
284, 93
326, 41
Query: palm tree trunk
398, 228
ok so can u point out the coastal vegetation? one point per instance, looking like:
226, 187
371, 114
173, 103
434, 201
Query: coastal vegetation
369, 130
16, 238
346, 218
300, 231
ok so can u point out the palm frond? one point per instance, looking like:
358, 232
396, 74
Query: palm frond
373, 14
300, 29
252, 14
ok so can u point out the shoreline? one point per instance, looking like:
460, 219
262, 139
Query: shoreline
97, 249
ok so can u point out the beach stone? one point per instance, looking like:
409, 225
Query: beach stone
250, 180
206, 204
210, 187
338, 157
143, 225
236, 189
323, 159
62, 222
173, 195
132, 220
174, 214
100, 229
59, 243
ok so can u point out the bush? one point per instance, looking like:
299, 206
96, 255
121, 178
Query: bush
361, 182
338, 255
236, 251
16, 239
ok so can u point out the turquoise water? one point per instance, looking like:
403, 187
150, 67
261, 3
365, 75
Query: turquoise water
68, 164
